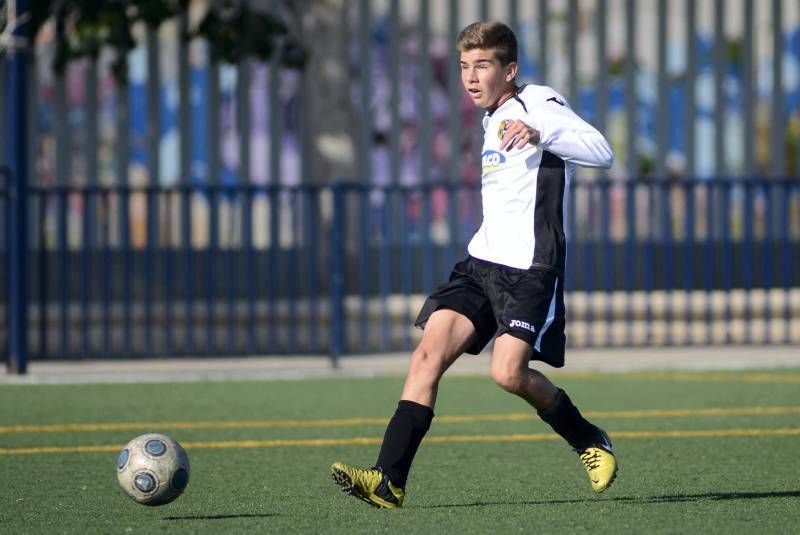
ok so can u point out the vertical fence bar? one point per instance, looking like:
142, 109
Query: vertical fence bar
152, 196
90, 201
293, 267
393, 200
362, 198
778, 123
630, 255
454, 127
649, 263
39, 210
245, 134
384, 265
630, 89
3, 93
587, 258
230, 194
663, 93
786, 255
16, 135
571, 229
63, 168
425, 143
5, 185
601, 48
719, 95
666, 243
767, 252
608, 258
337, 270
213, 180
185, 158
311, 243
394, 95
691, 105
166, 202
275, 161
85, 269
513, 19
725, 236
748, 255
572, 54
406, 280
749, 90
122, 154
365, 88
274, 266
543, 23
605, 191
108, 269
483, 9
708, 263
690, 190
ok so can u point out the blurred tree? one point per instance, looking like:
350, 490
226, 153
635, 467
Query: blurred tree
233, 29
330, 120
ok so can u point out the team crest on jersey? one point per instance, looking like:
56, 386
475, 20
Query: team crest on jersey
491, 160
501, 130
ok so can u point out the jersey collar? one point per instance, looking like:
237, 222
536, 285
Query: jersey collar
514, 97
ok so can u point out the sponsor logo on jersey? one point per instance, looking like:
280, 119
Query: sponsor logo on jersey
522, 325
491, 160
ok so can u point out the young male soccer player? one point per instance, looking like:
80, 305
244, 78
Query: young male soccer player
512, 283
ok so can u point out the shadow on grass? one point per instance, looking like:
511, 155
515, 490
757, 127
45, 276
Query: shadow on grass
220, 517
668, 498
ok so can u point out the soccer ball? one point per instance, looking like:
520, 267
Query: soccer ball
153, 469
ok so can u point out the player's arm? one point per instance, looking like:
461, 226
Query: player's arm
568, 136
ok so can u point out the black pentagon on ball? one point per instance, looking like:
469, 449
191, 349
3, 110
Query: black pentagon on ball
145, 482
180, 479
156, 447
123, 458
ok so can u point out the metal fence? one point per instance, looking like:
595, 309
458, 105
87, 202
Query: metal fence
192, 210
345, 267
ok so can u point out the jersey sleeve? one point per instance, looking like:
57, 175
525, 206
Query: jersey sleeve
565, 134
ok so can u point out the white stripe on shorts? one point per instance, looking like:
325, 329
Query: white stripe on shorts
551, 315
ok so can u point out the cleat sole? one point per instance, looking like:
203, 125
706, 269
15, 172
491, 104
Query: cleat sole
343, 480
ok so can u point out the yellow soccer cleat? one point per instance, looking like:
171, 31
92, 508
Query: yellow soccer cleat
370, 485
600, 463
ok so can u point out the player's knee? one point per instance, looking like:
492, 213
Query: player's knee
425, 362
509, 379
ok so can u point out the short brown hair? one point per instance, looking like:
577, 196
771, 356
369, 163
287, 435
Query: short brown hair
490, 36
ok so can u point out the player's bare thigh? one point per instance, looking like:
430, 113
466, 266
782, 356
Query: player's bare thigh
446, 336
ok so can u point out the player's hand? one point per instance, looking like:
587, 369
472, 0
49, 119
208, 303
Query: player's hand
517, 134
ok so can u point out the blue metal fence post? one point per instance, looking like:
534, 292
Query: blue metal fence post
336, 344
16, 134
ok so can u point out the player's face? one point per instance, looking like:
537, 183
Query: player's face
485, 80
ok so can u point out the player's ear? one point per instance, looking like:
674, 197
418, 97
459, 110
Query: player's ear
511, 71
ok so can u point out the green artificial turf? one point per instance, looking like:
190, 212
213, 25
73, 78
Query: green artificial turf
719, 477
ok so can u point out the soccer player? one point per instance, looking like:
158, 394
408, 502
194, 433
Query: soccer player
511, 285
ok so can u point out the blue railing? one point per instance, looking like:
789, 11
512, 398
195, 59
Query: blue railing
190, 270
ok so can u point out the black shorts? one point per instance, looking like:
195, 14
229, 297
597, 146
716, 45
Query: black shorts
527, 304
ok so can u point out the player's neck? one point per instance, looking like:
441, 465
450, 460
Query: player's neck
512, 91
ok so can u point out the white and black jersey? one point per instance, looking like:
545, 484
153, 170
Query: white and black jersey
524, 191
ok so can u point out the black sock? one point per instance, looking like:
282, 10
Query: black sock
402, 438
566, 420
